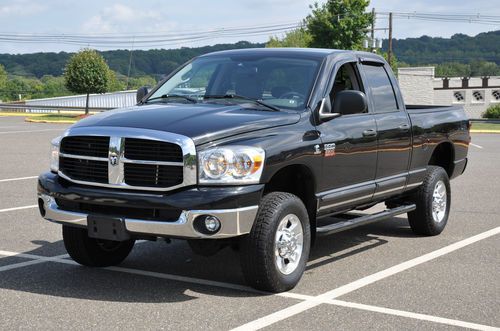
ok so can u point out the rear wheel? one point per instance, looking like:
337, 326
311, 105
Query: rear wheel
93, 252
274, 254
433, 203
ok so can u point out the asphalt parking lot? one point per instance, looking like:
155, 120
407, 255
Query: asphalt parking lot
379, 276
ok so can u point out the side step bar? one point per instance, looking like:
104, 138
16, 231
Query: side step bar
363, 220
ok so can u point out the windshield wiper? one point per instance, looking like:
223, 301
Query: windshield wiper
236, 96
168, 96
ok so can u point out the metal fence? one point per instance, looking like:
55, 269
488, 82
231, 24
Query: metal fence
76, 103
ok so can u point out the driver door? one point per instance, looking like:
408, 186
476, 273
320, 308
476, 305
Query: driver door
349, 150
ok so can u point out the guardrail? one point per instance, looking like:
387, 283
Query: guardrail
49, 109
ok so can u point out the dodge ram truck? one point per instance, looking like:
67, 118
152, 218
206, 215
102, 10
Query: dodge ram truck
254, 149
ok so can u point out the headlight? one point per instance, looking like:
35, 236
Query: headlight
54, 154
231, 165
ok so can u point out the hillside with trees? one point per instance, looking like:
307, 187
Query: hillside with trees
39, 75
460, 48
154, 62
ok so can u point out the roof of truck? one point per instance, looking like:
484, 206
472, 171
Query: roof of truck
301, 52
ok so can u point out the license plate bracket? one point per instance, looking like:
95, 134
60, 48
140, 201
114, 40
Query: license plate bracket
108, 228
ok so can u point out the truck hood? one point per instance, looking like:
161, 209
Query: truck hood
201, 122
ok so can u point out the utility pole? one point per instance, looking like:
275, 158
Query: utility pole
389, 51
130, 62
372, 33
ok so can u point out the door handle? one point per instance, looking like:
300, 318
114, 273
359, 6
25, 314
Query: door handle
404, 127
370, 133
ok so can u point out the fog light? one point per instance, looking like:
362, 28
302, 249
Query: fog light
207, 224
212, 223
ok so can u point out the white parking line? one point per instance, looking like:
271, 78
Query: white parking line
307, 300
36, 260
477, 146
407, 314
342, 290
18, 208
25, 131
19, 178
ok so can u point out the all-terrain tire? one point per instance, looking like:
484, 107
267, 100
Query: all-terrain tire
433, 203
93, 252
259, 252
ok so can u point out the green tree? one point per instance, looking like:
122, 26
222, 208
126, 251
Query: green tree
115, 83
484, 68
339, 24
87, 72
53, 86
453, 69
3, 81
295, 38
136, 82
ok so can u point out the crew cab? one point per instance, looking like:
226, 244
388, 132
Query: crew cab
254, 149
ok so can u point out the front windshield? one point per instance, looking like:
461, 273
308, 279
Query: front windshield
282, 82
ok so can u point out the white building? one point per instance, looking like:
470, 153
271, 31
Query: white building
106, 100
476, 94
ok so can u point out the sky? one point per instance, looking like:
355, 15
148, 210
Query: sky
154, 16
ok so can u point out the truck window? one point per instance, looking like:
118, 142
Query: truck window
345, 79
381, 88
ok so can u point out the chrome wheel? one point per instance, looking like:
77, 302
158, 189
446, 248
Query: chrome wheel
439, 202
288, 244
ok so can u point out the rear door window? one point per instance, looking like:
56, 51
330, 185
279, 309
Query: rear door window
381, 88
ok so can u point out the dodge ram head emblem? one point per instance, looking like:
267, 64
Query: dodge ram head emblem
113, 159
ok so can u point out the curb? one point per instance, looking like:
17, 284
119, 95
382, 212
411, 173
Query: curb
6, 114
48, 121
484, 131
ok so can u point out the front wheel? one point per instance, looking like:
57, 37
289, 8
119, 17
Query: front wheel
433, 203
93, 252
274, 254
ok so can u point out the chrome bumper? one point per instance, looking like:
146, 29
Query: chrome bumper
235, 222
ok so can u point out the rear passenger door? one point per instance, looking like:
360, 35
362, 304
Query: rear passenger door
393, 129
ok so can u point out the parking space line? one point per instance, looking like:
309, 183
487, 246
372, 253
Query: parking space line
184, 279
36, 259
353, 286
20, 265
307, 301
18, 208
477, 146
30, 131
407, 314
18, 178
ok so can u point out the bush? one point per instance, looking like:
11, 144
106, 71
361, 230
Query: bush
492, 112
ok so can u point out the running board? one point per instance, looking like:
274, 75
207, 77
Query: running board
363, 220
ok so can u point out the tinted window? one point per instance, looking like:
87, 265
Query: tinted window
381, 87
280, 81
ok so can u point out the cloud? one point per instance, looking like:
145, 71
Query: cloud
21, 8
119, 18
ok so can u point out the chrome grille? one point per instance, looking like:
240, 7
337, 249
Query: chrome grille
86, 170
96, 146
152, 175
142, 149
127, 159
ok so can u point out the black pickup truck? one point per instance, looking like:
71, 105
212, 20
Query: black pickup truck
254, 149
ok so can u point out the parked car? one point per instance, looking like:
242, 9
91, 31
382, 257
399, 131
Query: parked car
254, 149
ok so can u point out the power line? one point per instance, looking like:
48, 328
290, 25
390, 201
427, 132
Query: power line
147, 40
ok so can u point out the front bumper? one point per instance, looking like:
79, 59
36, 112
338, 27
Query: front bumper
235, 207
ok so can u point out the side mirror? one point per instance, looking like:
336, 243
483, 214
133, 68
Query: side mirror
350, 102
325, 110
141, 93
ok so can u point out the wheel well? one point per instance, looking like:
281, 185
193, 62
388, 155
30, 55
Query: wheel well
298, 180
443, 157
